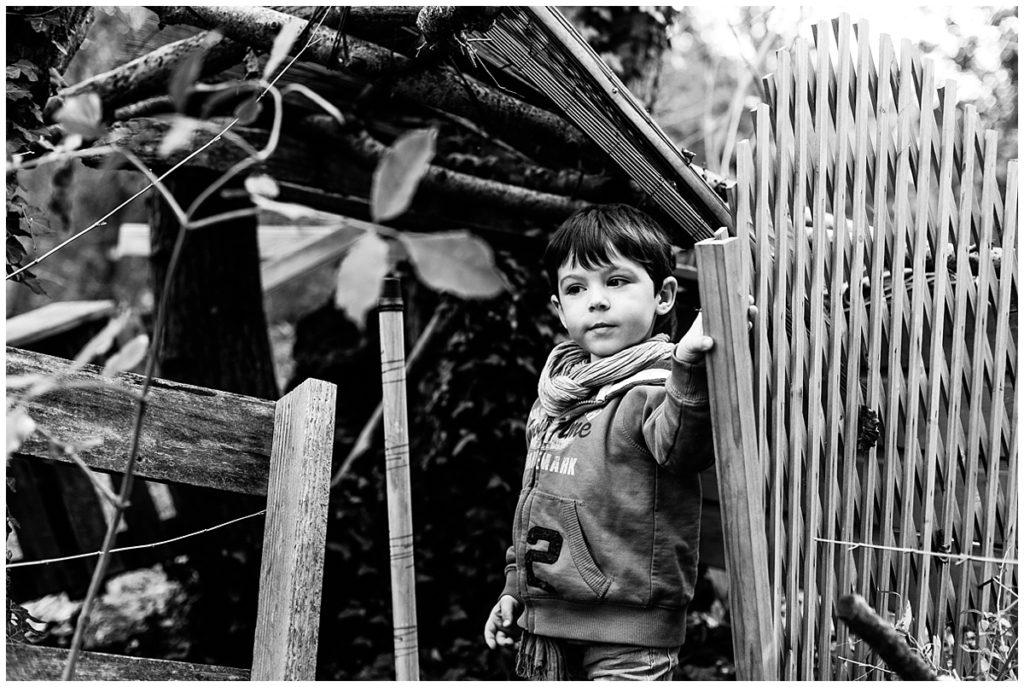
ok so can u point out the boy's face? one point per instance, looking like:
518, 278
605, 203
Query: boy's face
612, 307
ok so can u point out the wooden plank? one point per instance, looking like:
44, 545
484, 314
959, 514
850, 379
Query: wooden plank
55, 318
974, 426
191, 435
287, 252
852, 401
833, 406
724, 300
957, 367
932, 454
291, 572
28, 662
399, 487
133, 238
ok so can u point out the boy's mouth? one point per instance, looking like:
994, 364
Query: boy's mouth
600, 325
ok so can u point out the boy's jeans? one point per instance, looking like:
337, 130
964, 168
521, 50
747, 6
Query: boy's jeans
619, 661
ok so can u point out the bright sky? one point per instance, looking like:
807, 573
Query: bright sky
898, 20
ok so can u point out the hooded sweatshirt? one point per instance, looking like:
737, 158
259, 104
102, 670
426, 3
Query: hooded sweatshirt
607, 525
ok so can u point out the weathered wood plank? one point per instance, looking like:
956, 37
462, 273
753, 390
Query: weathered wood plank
191, 435
27, 662
55, 318
724, 298
292, 569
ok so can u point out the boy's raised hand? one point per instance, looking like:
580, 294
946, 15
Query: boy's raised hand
501, 628
695, 343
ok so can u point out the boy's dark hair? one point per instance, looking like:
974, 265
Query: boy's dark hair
588, 234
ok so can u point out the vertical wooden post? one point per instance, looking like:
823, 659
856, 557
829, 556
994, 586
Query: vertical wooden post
396, 459
292, 569
724, 299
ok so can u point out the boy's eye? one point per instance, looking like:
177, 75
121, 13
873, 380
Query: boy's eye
573, 289
617, 281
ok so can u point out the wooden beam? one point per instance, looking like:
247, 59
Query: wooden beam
287, 252
55, 318
191, 435
28, 662
724, 298
291, 574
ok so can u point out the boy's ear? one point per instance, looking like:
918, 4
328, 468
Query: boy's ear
556, 305
667, 295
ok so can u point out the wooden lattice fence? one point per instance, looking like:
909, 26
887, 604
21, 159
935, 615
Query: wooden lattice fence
883, 258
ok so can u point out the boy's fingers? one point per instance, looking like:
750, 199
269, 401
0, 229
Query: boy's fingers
507, 610
707, 343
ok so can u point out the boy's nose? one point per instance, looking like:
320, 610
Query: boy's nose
598, 301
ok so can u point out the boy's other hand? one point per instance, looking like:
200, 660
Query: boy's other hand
695, 343
501, 628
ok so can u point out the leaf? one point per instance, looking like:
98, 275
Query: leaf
82, 114
360, 275
19, 428
178, 136
130, 355
261, 185
247, 111
455, 262
282, 46
399, 172
188, 72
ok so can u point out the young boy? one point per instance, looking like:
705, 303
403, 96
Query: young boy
605, 536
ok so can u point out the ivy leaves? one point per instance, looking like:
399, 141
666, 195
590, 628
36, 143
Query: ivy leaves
454, 262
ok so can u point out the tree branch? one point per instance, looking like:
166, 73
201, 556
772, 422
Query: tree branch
497, 195
883, 638
522, 124
149, 75
340, 169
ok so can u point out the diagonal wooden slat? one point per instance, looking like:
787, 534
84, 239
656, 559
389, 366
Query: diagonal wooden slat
892, 306
969, 503
852, 400
932, 444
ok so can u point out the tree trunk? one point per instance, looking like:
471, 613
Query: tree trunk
216, 336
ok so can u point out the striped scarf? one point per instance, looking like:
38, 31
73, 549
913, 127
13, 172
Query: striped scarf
569, 377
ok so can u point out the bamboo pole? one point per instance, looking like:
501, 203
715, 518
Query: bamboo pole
396, 461
724, 298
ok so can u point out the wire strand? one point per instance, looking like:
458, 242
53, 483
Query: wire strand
899, 549
24, 564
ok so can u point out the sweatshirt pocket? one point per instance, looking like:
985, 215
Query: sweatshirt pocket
565, 568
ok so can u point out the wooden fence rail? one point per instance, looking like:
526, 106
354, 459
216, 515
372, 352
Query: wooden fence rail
890, 312
199, 436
